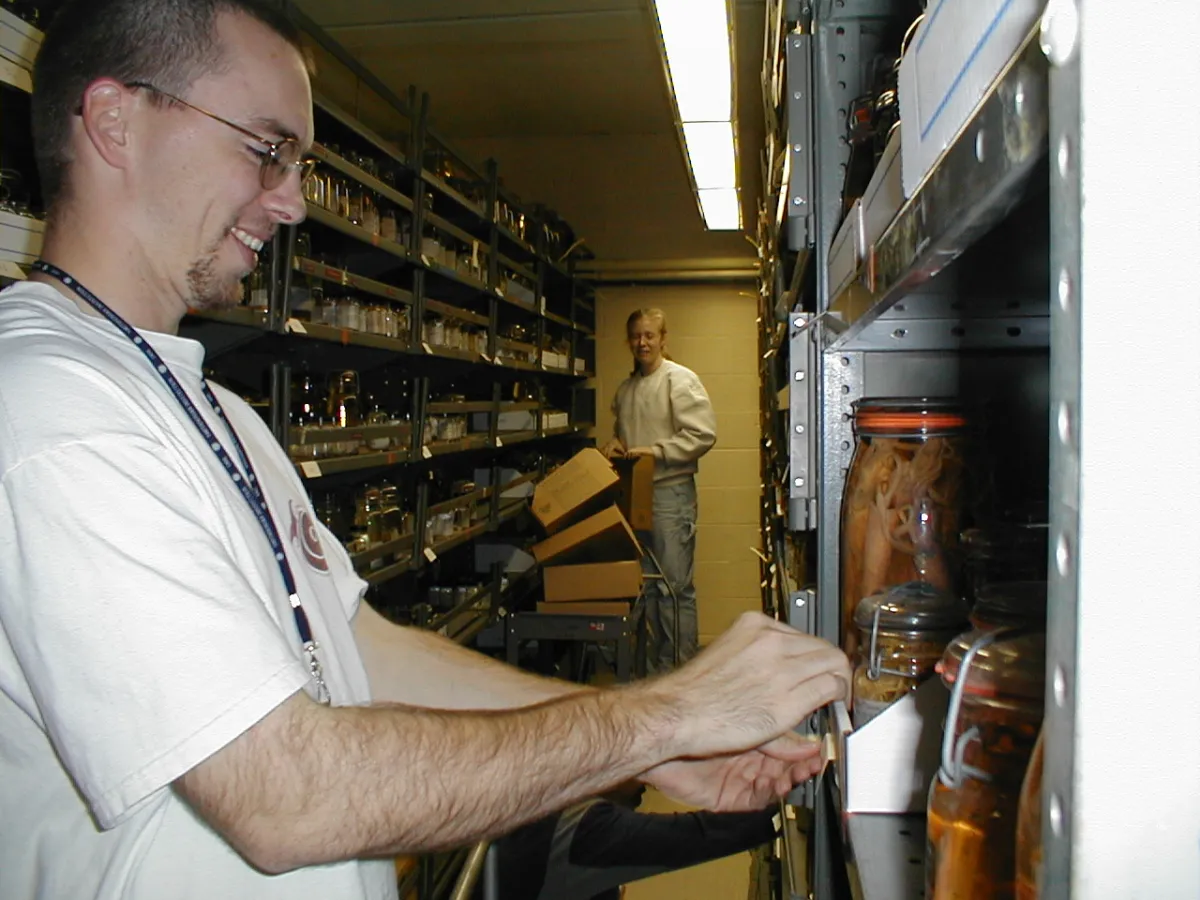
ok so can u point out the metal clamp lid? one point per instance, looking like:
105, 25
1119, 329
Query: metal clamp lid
954, 768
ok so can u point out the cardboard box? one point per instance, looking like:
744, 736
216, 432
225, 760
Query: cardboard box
959, 49
592, 581
555, 420
510, 420
603, 538
635, 491
587, 608
575, 489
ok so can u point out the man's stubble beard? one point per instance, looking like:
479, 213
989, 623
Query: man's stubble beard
207, 290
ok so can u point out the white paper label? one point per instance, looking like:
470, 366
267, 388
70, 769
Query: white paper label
499, 443
311, 469
295, 326
430, 555
426, 453
425, 346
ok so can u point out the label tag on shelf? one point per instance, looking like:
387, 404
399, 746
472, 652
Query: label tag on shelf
542, 306
426, 260
426, 453
485, 357
426, 347
499, 443
430, 555
295, 326
498, 361
311, 469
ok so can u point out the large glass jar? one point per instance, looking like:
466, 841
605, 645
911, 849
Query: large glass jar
1010, 604
996, 679
904, 499
1029, 827
903, 632
1003, 552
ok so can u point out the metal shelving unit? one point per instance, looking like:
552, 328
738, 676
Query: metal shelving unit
933, 304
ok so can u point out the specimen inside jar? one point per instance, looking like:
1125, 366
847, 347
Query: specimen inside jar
900, 518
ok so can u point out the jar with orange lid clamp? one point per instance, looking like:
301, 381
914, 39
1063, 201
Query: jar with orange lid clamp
904, 500
996, 679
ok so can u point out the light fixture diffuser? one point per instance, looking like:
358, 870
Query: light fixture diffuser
722, 209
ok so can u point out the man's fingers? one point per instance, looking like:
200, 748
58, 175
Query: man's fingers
791, 747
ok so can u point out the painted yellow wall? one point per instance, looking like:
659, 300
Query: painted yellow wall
711, 330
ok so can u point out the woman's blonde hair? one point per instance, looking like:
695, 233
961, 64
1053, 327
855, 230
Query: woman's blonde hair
648, 313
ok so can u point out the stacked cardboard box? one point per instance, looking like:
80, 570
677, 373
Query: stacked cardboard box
591, 560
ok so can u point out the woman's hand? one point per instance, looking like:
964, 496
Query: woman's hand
614, 449
636, 452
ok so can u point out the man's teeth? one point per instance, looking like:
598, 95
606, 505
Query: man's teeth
248, 239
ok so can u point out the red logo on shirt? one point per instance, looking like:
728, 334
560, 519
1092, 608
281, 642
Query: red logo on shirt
304, 535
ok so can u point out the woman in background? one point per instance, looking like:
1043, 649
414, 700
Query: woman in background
663, 411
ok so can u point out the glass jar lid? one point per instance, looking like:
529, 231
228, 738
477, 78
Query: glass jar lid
1011, 667
1011, 603
909, 416
915, 606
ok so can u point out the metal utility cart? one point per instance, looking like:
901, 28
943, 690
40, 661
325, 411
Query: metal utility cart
1078, 325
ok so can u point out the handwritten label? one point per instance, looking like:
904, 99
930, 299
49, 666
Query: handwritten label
295, 326
430, 555
311, 469
426, 453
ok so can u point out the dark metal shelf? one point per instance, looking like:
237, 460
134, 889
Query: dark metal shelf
389, 548
387, 573
346, 337
453, 312
463, 445
516, 267
319, 468
455, 195
322, 216
333, 275
450, 353
317, 435
361, 176
450, 274
454, 408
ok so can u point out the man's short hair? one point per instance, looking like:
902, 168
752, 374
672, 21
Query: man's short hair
167, 43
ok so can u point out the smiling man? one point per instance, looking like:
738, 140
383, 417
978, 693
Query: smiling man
194, 700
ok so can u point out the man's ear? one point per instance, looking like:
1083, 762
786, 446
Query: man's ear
106, 114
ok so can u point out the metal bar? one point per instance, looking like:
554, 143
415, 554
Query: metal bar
281, 385
471, 871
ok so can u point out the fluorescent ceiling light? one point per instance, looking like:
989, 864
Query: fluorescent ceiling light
696, 35
710, 149
722, 209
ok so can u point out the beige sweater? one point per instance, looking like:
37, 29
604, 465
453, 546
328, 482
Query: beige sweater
668, 410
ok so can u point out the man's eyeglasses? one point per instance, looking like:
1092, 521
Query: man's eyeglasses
279, 158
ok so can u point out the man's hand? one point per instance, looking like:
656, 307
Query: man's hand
742, 782
756, 682
614, 449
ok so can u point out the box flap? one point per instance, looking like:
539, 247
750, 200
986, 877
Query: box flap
604, 537
565, 494
635, 494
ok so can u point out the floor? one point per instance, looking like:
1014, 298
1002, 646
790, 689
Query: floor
721, 879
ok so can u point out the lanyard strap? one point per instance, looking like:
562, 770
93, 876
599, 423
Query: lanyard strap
247, 486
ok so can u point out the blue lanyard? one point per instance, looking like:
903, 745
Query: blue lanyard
248, 486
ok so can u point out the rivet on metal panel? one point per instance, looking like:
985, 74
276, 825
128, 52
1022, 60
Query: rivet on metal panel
845, 360
799, 429
846, 444
799, 482
797, 96
1056, 815
900, 333
1059, 31
1064, 156
1062, 555
1064, 423
980, 145
845, 388
1060, 687
797, 323
796, 45
797, 201
800, 602
1064, 290
799, 376
797, 147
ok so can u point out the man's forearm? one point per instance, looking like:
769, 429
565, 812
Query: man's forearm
419, 668
359, 782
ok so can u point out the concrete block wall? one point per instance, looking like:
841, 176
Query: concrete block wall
711, 330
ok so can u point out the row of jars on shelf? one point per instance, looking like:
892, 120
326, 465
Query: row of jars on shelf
922, 597
344, 197
374, 515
